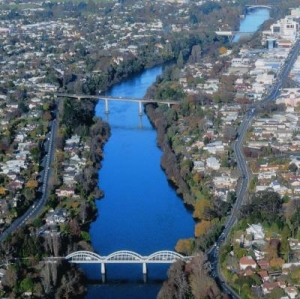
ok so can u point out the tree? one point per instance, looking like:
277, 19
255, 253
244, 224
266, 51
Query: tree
202, 285
264, 206
32, 184
11, 277
2, 191
184, 246
293, 167
202, 227
276, 293
196, 54
180, 60
200, 206
47, 116
177, 286
222, 51
26, 284
276, 262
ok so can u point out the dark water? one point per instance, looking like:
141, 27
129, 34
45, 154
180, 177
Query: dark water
140, 211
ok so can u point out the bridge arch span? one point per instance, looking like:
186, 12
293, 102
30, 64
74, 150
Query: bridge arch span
124, 256
81, 256
258, 6
164, 255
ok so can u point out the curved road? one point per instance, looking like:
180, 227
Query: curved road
213, 253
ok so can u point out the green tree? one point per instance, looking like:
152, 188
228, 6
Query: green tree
180, 60
26, 284
276, 293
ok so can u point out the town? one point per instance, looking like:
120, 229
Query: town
51, 148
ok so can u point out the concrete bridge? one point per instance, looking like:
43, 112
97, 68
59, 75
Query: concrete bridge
231, 34
125, 257
123, 99
254, 6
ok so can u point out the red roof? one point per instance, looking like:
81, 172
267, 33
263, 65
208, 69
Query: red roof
263, 274
270, 285
247, 260
263, 264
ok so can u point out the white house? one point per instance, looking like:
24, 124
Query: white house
256, 230
213, 163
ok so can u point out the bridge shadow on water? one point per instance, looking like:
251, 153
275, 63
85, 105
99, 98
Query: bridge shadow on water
124, 281
125, 273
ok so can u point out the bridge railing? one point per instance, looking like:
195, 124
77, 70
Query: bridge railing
125, 256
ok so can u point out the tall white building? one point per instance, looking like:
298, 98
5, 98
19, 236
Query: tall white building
285, 28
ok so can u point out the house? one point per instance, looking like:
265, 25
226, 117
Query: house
247, 261
264, 275
224, 181
199, 166
267, 287
248, 272
213, 163
214, 147
66, 192
291, 292
294, 244
256, 230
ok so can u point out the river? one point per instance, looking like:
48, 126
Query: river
140, 210
252, 21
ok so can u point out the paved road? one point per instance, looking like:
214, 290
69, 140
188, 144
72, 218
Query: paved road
213, 253
38, 205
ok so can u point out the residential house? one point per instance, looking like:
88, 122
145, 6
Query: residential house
256, 231
291, 292
213, 163
247, 261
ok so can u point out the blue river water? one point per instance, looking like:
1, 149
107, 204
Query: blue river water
252, 21
140, 211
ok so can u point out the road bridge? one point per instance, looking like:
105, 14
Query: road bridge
254, 6
126, 257
231, 34
122, 99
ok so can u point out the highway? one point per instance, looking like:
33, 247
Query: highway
213, 253
39, 204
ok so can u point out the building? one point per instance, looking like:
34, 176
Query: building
247, 261
285, 28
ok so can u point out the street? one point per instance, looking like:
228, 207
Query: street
213, 253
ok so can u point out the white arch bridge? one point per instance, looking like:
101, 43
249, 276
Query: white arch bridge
254, 6
125, 257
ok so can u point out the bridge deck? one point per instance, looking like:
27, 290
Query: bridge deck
124, 256
110, 98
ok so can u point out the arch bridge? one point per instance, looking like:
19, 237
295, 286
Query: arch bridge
125, 257
123, 99
254, 6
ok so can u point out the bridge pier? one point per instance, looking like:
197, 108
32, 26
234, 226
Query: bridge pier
140, 108
106, 107
145, 272
103, 274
